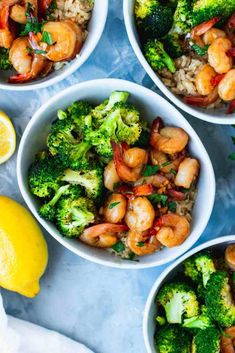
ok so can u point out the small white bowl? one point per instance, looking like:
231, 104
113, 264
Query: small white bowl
150, 311
150, 105
216, 116
95, 30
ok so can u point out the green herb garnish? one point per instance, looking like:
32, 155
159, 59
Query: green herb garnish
39, 51
46, 38
172, 171
150, 170
119, 247
32, 24
156, 198
172, 205
140, 244
200, 51
166, 164
112, 205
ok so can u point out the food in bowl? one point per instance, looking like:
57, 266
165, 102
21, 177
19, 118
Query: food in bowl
190, 45
110, 181
38, 36
196, 309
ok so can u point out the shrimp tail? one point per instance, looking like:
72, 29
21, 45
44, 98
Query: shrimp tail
105, 228
20, 78
4, 15
204, 27
155, 128
202, 101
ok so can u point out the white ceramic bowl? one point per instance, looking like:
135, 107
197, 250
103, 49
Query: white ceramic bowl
216, 116
151, 105
95, 30
150, 311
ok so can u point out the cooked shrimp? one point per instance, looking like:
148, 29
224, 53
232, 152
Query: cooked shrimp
174, 229
141, 244
28, 65
202, 28
203, 101
110, 176
133, 156
166, 164
203, 80
227, 342
226, 87
7, 34
217, 55
115, 208
140, 214
187, 172
230, 256
67, 39
169, 139
102, 235
212, 34
18, 11
156, 180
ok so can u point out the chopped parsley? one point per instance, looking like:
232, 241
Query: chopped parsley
46, 38
119, 247
51, 9
172, 205
150, 170
156, 198
140, 244
32, 24
200, 51
172, 171
112, 205
166, 164
39, 51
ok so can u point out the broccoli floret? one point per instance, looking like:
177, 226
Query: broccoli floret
201, 292
173, 339
5, 63
78, 111
203, 10
121, 124
179, 301
173, 45
153, 19
201, 321
48, 210
206, 341
199, 267
72, 216
219, 299
157, 56
45, 176
182, 23
160, 320
99, 113
91, 180
62, 141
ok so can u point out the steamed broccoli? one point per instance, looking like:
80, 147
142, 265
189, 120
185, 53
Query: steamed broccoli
157, 56
91, 179
154, 20
99, 113
206, 341
203, 10
121, 124
45, 176
199, 267
173, 339
183, 22
72, 216
62, 141
219, 299
201, 321
173, 45
48, 209
5, 63
179, 301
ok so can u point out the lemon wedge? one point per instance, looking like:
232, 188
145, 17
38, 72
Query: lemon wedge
23, 249
7, 138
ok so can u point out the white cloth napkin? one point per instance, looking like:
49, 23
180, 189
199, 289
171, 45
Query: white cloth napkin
18, 336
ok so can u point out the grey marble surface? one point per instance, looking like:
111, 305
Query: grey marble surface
103, 307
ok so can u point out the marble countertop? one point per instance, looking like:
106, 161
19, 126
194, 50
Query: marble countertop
99, 306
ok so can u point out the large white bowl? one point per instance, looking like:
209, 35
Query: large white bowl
151, 105
150, 311
95, 30
216, 116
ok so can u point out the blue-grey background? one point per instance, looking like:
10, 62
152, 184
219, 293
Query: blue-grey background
99, 306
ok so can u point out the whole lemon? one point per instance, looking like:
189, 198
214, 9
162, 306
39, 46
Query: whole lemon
23, 249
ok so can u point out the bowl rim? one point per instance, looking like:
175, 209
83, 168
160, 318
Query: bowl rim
46, 225
215, 119
72, 67
171, 267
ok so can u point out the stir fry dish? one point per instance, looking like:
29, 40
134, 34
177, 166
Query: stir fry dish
191, 45
39, 36
112, 182
197, 309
